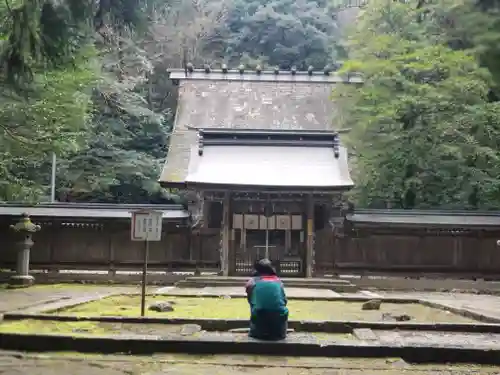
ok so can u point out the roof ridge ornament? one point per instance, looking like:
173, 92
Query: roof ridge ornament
336, 146
258, 69
329, 74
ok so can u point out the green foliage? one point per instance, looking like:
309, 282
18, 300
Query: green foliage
423, 130
107, 114
280, 32
58, 96
480, 25
51, 117
50, 33
87, 80
122, 161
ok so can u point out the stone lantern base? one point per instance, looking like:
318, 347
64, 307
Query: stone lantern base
21, 280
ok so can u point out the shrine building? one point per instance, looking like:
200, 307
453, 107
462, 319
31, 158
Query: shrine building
261, 162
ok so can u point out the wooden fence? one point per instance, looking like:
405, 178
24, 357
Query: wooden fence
455, 244
99, 239
413, 243
105, 246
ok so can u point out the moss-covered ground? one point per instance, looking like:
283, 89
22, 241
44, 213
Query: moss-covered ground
30, 326
237, 308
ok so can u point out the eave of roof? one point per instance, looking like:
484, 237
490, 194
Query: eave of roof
434, 218
270, 167
90, 210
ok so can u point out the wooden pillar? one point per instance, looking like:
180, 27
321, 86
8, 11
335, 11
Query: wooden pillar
310, 236
52, 249
243, 250
226, 234
111, 252
288, 242
232, 251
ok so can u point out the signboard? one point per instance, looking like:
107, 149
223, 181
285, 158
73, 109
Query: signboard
146, 226
283, 222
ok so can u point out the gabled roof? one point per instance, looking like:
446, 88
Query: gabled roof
243, 105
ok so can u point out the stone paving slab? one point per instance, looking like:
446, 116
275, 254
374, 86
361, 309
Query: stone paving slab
137, 342
38, 297
365, 334
413, 349
396, 337
74, 364
480, 303
419, 338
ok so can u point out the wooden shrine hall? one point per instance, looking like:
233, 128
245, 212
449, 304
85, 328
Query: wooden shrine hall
259, 179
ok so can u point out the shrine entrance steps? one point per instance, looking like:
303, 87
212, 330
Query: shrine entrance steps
337, 285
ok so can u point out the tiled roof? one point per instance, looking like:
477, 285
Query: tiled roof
457, 219
90, 210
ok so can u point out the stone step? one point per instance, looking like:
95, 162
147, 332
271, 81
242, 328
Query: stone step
241, 283
284, 279
414, 346
337, 287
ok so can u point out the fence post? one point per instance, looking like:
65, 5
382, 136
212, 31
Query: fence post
111, 255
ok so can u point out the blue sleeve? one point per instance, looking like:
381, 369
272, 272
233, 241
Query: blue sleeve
283, 295
249, 286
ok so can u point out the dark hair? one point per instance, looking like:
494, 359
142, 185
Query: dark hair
264, 267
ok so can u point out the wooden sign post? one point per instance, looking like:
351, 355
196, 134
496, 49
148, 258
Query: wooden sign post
146, 226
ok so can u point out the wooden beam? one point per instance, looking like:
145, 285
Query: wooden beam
256, 196
226, 234
310, 236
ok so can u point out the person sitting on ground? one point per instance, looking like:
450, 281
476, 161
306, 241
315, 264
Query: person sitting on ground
267, 299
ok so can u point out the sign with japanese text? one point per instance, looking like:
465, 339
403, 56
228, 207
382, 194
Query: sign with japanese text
146, 226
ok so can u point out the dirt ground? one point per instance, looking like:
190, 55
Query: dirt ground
237, 308
78, 364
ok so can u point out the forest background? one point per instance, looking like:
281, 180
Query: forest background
87, 80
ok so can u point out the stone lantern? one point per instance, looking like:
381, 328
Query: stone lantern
25, 228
